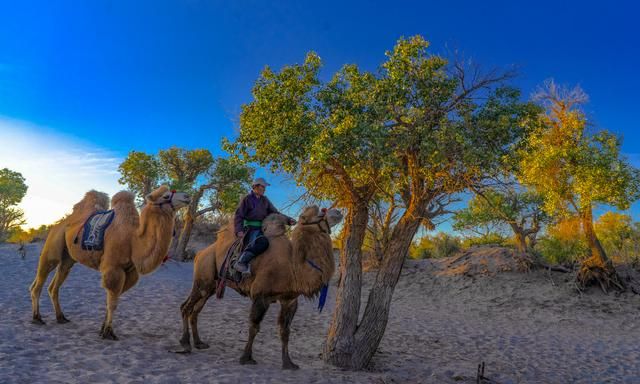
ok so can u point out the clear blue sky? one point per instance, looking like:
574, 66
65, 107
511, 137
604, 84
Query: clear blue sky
146, 75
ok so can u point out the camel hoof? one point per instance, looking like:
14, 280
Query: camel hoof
183, 351
201, 345
108, 334
290, 366
247, 361
186, 346
38, 320
62, 320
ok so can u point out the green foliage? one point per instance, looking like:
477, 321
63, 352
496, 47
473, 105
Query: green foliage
491, 238
184, 166
414, 128
12, 190
570, 167
31, 235
141, 173
480, 217
558, 251
499, 207
619, 236
437, 246
12, 187
563, 242
229, 180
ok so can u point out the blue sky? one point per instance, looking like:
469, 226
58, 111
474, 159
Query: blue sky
102, 78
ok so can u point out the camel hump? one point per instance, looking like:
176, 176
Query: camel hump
123, 203
274, 225
92, 201
123, 197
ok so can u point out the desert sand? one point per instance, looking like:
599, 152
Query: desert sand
447, 316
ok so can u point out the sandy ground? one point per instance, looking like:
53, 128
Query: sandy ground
447, 316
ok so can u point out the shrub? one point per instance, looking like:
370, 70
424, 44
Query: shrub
561, 251
436, 246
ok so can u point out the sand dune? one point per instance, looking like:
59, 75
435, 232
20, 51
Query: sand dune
446, 319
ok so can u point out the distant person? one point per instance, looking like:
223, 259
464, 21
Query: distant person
253, 208
22, 250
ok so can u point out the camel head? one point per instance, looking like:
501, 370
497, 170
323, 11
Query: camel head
163, 197
314, 215
274, 225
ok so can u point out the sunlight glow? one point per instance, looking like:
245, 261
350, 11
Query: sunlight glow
58, 170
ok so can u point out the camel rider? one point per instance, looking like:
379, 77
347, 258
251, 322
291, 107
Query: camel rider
248, 223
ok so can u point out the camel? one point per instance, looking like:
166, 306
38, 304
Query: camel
286, 270
134, 244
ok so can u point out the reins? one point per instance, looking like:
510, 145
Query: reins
318, 222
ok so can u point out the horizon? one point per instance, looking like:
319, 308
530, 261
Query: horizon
82, 85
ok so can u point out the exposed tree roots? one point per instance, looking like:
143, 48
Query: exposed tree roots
594, 272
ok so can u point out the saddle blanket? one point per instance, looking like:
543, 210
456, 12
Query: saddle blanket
94, 228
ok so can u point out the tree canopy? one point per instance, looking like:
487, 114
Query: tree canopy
575, 169
141, 173
12, 190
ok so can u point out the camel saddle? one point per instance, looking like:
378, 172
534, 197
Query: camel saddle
227, 273
93, 230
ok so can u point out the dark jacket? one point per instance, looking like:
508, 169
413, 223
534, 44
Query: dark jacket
252, 208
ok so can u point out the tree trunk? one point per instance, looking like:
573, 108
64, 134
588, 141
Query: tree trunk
339, 346
185, 235
521, 239
376, 314
597, 268
597, 252
352, 345
189, 218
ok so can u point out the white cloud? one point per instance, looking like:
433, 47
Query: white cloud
58, 170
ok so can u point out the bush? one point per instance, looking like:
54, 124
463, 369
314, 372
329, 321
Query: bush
31, 235
488, 239
437, 246
561, 251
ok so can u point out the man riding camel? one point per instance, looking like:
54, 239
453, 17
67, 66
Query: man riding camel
248, 223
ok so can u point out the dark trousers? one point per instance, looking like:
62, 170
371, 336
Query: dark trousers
254, 244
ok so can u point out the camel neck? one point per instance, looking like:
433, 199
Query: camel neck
313, 266
153, 238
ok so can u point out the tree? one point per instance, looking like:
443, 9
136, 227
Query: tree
415, 133
12, 191
141, 173
220, 181
616, 230
504, 204
574, 170
225, 182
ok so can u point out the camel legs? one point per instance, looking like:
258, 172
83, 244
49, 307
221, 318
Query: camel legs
193, 319
49, 259
113, 281
190, 310
287, 311
131, 278
258, 310
61, 274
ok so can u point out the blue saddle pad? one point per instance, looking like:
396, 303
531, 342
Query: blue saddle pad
94, 228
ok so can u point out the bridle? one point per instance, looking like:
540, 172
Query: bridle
170, 201
319, 222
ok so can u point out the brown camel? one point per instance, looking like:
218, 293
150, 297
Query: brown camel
134, 244
286, 270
